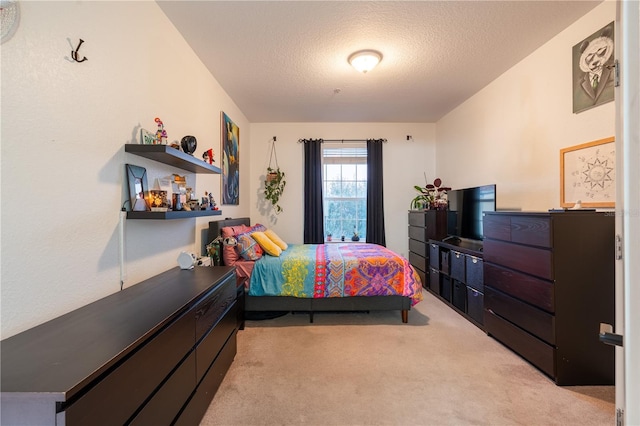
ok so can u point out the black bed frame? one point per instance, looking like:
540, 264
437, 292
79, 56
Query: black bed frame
311, 305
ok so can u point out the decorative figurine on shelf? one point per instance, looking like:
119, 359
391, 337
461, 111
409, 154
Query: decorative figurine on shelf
209, 201
208, 156
189, 144
161, 133
329, 236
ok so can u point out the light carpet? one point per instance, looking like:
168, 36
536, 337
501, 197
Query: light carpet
370, 369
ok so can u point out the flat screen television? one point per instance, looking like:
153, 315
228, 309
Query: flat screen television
464, 218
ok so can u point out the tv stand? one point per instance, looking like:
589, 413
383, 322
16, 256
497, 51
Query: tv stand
451, 238
456, 276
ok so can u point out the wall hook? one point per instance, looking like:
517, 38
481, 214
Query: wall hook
74, 54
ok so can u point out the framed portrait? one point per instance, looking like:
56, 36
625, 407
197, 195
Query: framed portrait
588, 174
138, 188
593, 68
230, 138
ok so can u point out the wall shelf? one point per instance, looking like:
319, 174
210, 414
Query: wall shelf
182, 214
173, 157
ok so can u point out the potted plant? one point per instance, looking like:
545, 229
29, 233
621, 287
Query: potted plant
274, 183
431, 196
274, 187
355, 236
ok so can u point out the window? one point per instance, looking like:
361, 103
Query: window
344, 177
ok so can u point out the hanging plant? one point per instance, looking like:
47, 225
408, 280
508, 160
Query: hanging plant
274, 183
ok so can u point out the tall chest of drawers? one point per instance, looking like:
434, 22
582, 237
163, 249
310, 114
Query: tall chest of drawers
549, 283
424, 225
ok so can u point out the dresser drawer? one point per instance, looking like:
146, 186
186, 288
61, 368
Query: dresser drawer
418, 218
418, 247
214, 305
532, 230
496, 227
532, 260
418, 233
167, 402
474, 272
457, 263
214, 340
114, 399
434, 255
417, 261
537, 322
532, 290
532, 349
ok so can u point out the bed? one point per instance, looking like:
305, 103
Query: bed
329, 277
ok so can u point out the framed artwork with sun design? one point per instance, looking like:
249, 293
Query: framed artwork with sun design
588, 174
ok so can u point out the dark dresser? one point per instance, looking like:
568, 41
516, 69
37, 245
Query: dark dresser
424, 225
548, 284
154, 353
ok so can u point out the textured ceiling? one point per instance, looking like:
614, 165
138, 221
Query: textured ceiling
286, 61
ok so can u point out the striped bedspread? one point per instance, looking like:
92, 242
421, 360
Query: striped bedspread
335, 270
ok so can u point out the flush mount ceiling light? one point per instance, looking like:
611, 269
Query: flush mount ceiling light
365, 60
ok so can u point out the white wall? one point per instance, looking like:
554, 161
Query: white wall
64, 125
511, 132
405, 163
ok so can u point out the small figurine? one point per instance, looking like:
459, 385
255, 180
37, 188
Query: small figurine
161, 134
212, 202
208, 156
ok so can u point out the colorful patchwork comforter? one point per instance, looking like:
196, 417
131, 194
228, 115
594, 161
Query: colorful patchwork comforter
335, 270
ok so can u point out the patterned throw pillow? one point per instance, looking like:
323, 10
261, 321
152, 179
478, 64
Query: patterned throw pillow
248, 248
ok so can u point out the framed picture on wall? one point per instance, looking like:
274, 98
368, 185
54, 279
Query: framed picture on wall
593, 69
230, 161
588, 174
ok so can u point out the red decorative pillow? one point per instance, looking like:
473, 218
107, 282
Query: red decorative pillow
229, 254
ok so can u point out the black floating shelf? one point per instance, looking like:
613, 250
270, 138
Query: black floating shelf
173, 157
172, 215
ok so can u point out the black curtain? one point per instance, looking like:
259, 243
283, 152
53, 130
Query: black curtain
313, 213
375, 196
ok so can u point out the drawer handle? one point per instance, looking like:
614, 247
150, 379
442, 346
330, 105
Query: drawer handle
474, 260
433, 245
458, 255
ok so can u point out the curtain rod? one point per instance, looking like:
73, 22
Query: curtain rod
340, 140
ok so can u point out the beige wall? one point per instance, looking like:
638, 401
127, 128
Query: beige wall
511, 132
64, 125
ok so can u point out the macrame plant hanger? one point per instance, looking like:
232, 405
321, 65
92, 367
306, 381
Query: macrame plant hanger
272, 172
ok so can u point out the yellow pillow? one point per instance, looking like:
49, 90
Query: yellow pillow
267, 245
277, 240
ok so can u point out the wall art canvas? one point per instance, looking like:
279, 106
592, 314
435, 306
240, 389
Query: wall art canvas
588, 174
230, 161
593, 70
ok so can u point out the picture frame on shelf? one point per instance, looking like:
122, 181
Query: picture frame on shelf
588, 174
147, 138
138, 188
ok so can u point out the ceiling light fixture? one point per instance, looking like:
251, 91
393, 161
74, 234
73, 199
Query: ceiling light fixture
365, 60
